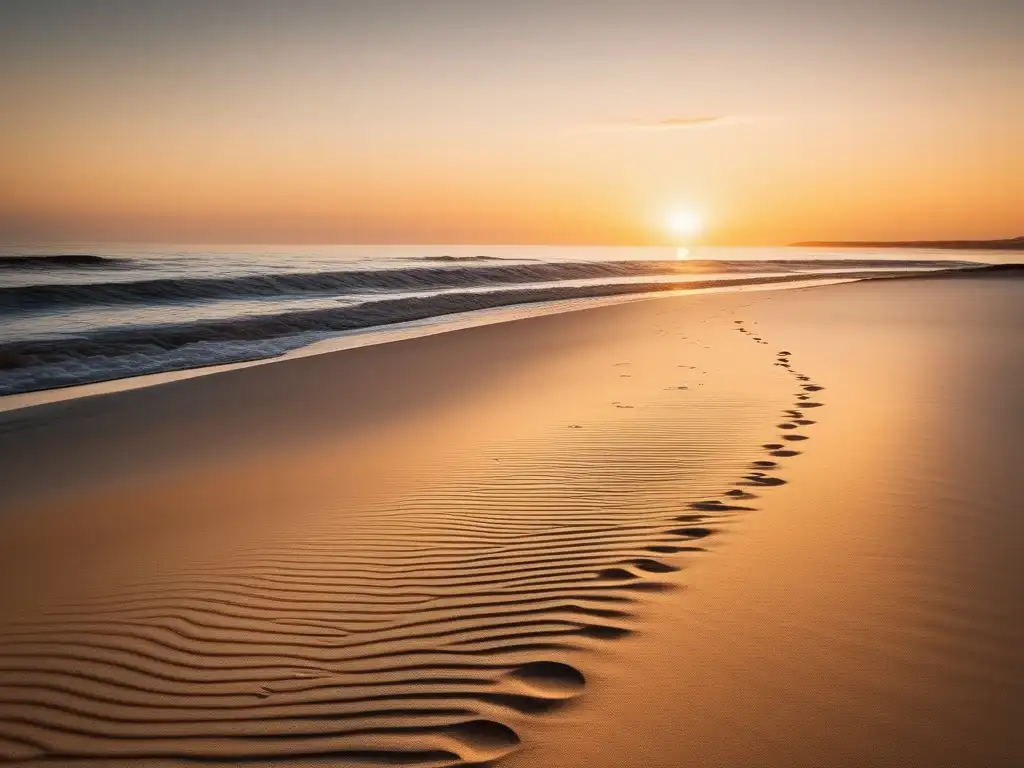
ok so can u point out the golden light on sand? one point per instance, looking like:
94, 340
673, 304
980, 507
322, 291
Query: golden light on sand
685, 223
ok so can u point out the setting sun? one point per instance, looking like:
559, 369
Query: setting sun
685, 223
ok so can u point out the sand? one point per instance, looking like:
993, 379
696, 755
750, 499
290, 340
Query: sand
588, 539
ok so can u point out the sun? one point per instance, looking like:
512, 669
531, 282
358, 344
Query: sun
685, 223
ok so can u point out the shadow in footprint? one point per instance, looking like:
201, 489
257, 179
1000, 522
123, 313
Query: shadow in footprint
738, 494
765, 480
652, 566
546, 679
483, 741
602, 631
691, 532
616, 574
714, 506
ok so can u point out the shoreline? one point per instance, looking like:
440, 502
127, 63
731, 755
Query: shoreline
379, 334
445, 322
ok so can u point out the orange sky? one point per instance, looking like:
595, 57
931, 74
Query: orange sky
529, 122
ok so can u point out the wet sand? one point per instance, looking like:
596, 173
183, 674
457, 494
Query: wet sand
729, 530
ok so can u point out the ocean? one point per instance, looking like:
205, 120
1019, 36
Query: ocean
86, 313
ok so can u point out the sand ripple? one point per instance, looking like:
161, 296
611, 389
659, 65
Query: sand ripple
415, 635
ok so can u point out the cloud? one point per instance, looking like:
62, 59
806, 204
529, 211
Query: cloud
673, 123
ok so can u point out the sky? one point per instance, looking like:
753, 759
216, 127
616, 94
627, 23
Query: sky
490, 121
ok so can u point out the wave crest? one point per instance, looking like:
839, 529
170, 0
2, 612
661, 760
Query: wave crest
30, 365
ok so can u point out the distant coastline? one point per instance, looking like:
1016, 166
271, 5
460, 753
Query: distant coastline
1011, 244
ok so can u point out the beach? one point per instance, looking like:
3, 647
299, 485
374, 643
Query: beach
735, 530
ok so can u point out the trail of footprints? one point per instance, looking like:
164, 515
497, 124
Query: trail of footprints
410, 640
796, 417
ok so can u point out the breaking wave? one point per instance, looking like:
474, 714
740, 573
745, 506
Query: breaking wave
70, 260
144, 326
53, 296
114, 353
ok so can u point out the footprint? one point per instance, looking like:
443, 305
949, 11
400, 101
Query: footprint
604, 632
784, 453
813, 388
616, 574
804, 422
652, 566
773, 446
809, 405
794, 437
482, 741
738, 494
692, 533
715, 506
766, 463
765, 480
541, 685
547, 679
786, 426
